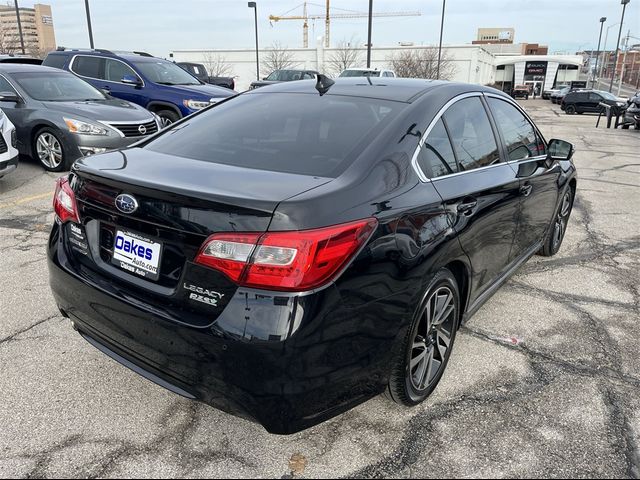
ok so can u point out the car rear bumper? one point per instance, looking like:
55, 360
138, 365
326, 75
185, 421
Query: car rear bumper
300, 370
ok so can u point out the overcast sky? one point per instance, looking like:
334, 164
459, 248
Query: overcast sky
160, 26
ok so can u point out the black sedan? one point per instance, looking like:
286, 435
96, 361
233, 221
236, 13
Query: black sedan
59, 117
299, 249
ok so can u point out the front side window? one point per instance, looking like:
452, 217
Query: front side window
91, 67
518, 134
436, 157
304, 134
165, 73
115, 70
471, 134
594, 97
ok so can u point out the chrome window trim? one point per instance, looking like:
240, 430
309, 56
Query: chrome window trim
73, 61
414, 160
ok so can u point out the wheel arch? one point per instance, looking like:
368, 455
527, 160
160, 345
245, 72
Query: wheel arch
34, 130
156, 106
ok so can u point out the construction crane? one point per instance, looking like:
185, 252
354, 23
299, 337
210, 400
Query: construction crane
328, 16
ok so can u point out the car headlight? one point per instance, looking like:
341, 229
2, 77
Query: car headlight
195, 104
84, 128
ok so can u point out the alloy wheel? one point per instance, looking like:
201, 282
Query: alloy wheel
49, 150
562, 218
432, 338
165, 122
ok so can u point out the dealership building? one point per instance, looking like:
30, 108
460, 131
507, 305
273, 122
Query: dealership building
544, 71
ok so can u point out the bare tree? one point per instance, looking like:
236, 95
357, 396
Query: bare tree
422, 63
217, 65
345, 55
277, 57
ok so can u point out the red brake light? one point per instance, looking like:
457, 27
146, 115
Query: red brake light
64, 201
291, 261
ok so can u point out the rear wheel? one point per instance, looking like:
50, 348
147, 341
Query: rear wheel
167, 117
49, 151
570, 109
427, 346
558, 226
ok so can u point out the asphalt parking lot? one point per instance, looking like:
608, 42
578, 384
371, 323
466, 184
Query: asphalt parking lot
543, 381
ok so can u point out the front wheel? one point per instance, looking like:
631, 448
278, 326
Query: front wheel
49, 150
570, 109
167, 117
427, 346
558, 226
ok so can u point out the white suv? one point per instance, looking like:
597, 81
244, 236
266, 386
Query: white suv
367, 72
8, 152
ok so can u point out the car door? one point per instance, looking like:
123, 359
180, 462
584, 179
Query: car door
594, 102
479, 190
526, 151
114, 71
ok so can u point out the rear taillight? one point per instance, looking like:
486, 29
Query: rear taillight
64, 201
289, 261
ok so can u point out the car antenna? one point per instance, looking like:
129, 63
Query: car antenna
323, 84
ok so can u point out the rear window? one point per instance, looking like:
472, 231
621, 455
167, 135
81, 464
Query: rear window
292, 133
56, 61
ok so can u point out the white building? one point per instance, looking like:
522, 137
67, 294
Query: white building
472, 63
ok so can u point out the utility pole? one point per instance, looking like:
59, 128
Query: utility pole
86, 6
369, 34
19, 27
255, 16
327, 24
595, 68
615, 60
624, 62
444, 2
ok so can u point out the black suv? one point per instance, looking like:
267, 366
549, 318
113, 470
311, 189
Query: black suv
582, 101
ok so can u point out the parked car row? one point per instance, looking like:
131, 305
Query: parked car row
279, 76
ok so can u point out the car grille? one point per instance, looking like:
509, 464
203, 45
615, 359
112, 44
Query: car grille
133, 129
3, 145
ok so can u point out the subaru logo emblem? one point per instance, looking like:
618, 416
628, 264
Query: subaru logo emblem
126, 203
142, 129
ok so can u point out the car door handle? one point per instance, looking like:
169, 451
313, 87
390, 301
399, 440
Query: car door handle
467, 206
106, 87
526, 189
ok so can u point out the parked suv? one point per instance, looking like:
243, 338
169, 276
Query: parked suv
582, 101
158, 85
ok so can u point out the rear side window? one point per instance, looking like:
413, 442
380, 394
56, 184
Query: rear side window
294, 133
114, 70
471, 134
85, 66
519, 136
436, 157
56, 61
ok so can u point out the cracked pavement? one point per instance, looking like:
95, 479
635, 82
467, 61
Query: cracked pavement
544, 380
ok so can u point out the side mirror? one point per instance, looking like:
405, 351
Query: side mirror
10, 97
106, 92
131, 80
560, 150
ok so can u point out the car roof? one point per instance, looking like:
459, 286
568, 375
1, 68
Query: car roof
27, 68
389, 88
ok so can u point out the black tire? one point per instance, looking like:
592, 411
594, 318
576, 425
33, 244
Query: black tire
570, 109
526, 97
625, 127
422, 349
167, 117
47, 148
560, 220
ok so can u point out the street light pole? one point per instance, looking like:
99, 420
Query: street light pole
86, 7
624, 62
19, 27
440, 44
615, 59
595, 68
369, 34
255, 11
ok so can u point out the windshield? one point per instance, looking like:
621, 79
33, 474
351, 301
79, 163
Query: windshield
359, 73
285, 75
56, 87
607, 95
166, 73
305, 134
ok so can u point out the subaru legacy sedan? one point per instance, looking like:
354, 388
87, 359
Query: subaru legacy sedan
298, 249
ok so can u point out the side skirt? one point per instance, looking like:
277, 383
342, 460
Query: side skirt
488, 293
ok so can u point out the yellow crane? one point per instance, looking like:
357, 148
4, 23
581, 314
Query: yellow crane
328, 16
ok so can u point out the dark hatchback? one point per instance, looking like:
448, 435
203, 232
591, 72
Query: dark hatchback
286, 255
